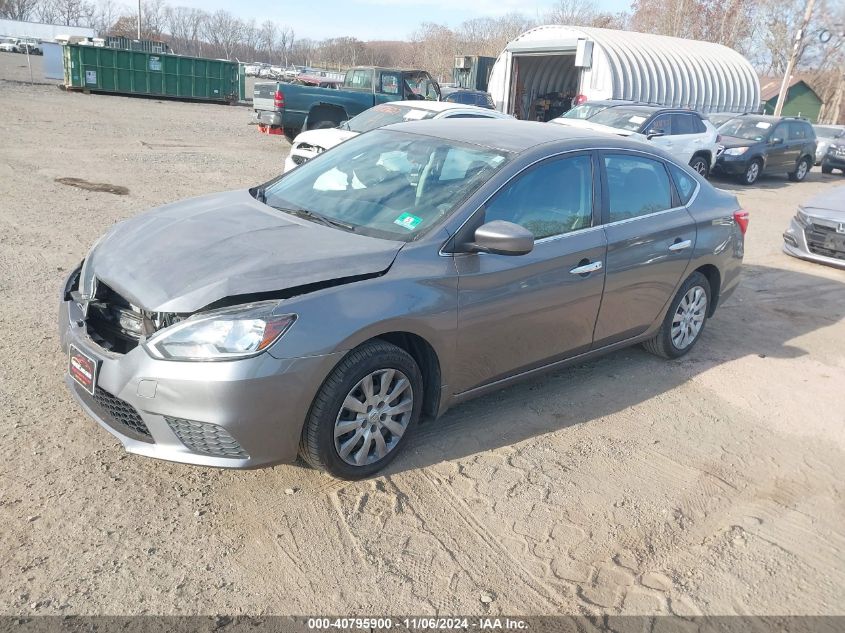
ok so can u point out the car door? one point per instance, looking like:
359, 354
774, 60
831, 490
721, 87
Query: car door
688, 134
796, 140
519, 312
777, 151
662, 125
650, 239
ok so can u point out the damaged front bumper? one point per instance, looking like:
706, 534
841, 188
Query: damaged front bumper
234, 414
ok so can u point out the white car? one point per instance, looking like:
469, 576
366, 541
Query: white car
308, 144
8, 46
684, 134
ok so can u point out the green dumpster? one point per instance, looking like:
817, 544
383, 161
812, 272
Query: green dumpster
119, 71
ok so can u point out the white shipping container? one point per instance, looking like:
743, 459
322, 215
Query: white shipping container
610, 64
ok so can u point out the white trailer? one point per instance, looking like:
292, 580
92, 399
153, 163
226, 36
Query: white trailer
582, 63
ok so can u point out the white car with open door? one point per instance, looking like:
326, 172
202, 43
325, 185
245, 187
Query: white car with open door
684, 134
309, 144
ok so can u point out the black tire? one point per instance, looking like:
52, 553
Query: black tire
323, 125
662, 344
750, 176
827, 169
290, 134
800, 174
701, 165
317, 444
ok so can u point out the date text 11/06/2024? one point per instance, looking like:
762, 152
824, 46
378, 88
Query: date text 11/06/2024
459, 623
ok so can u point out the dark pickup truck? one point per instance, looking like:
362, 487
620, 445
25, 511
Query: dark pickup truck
296, 107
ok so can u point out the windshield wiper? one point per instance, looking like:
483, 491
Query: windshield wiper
316, 217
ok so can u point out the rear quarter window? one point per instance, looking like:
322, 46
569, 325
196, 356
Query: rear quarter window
684, 183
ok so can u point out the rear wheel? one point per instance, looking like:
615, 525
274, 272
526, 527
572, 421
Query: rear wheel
364, 411
827, 169
752, 172
801, 170
323, 125
700, 164
684, 321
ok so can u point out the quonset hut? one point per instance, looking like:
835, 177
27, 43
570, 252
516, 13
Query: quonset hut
544, 71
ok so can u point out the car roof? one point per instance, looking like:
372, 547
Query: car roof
431, 106
509, 135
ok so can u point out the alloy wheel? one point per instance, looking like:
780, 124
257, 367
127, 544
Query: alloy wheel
802, 170
752, 173
373, 417
689, 317
701, 167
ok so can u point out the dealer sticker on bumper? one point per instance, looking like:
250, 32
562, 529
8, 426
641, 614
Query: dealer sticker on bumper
83, 369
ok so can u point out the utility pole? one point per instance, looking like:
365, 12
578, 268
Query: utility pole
139, 18
796, 48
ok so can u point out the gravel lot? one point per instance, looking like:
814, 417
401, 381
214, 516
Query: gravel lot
627, 485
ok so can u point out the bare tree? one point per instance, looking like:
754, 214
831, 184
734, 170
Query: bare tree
17, 9
223, 31
185, 26
66, 12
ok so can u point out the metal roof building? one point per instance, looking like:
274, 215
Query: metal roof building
610, 64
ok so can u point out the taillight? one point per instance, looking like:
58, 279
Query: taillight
579, 99
741, 219
278, 99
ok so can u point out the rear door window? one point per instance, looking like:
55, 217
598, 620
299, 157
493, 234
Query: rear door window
683, 124
636, 186
390, 83
797, 131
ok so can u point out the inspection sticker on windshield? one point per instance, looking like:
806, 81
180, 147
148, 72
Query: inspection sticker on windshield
408, 221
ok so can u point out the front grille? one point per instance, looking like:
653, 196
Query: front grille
825, 241
208, 439
119, 414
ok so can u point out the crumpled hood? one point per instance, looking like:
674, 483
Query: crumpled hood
183, 256
597, 127
324, 138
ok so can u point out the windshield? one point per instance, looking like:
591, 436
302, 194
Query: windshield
386, 114
622, 118
387, 184
584, 111
829, 132
748, 129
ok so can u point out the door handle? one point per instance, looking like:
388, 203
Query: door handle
679, 246
586, 269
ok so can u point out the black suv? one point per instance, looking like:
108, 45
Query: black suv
756, 143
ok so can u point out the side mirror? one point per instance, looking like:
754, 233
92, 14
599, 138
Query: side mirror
653, 134
776, 141
502, 238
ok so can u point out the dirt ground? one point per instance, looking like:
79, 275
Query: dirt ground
711, 485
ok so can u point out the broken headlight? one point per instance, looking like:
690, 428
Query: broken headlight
225, 334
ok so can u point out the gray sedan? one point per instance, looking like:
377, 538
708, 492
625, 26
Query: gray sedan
817, 232
406, 270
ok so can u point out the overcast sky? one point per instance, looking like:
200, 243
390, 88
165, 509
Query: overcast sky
376, 19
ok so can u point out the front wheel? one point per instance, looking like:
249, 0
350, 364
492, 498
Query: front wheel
752, 172
801, 170
364, 412
827, 169
700, 164
684, 321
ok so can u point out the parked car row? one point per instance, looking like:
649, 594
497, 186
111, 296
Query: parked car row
21, 45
